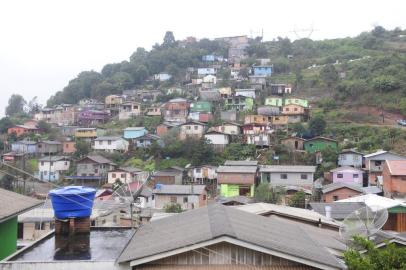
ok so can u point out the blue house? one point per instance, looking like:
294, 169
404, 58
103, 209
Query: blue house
262, 70
24, 147
134, 132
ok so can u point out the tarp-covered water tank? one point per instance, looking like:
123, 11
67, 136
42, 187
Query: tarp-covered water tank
72, 201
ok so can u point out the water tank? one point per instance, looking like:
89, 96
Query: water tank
72, 201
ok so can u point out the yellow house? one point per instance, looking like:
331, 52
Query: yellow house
256, 119
86, 133
112, 101
280, 120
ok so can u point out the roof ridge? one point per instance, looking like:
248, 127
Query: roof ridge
220, 221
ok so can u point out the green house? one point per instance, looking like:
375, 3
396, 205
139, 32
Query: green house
11, 205
274, 101
201, 106
239, 103
232, 190
319, 143
297, 101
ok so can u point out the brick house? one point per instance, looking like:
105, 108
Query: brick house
339, 191
394, 178
374, 164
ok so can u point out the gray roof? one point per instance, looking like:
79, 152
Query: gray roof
54, 158
179, 189
134, 128
237, 169
339, 211
287, 168
346, 168
51, 142
108, 138
241, 163
214, 221
13, 204
168, 172
25, 142
335, 186
372, 190
98, 159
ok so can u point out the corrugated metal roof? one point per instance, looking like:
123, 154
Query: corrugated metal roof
237, 169
335, 186
214, 221
12, 204
179, 189
287, 168
241, 163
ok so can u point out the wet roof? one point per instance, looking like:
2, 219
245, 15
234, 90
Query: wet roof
104, 244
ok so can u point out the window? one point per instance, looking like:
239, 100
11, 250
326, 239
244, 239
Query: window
335, 198
339, 175
100, 142
173, 199
67, 145
196, 127
40, 225
188, 127
66, 163
303, 176
198, 170
287, 109
343, 157
123, 175
355, 175
355, 157
185, 200
295, 109
284, 176
378, 163
52, 164
113, 175
42, 163
204, 197
109, 142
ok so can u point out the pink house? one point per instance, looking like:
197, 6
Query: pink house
347, 175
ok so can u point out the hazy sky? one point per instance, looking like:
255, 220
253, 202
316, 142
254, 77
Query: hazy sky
44, 44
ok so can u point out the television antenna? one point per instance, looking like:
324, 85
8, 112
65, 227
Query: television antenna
365, 222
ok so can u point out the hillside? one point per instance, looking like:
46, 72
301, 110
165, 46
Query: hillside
349, 73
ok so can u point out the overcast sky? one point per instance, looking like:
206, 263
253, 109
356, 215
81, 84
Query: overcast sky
44, 44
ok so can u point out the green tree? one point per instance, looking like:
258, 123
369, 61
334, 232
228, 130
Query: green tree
402, 106
298, 199
265, 193
236, 151
82, 148
329, 75
44, 126
15, 105
317, 125
5, 124
173, 208
385, 83
375, 258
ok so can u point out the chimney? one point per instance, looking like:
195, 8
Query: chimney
328, 211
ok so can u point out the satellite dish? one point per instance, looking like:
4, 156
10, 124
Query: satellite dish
365, 222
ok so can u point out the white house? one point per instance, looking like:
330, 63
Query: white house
201, 72
50, 168
110, 144
217, 139
289, 175
229, 128
192, 129
350, 158
162, 77
126, 175
246, 92
203, 175
260, 139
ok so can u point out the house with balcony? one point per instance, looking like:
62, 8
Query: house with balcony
288, 175
113, 101
129, 110
92, 170
176, 110
153, 111
239, 103
89, 134
110, 144
374, 164
93, 117
202, 175
256, 119
49, 147
52, 168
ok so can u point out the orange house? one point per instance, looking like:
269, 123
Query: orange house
394, 177
69, 147
293, 109
21, 130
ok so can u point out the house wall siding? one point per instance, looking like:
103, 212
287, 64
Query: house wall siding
342, 193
